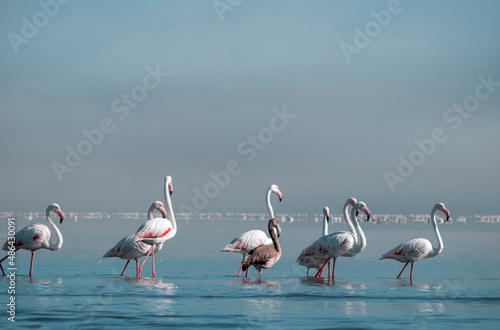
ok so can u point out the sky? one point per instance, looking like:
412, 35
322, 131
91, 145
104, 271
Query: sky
395, 103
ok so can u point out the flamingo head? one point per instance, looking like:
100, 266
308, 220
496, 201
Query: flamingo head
274, 188
275, 223
440, 206
351, 202
326, 213
57, 209
168, 185
159, 206
362, 206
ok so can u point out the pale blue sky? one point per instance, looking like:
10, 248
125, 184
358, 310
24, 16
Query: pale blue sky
353, 120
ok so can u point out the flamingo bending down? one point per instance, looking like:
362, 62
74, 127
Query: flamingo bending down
315, 255
419, 248
129, 249
249, 240
265, 256
344, 244
308, 258
37, 236
156, 231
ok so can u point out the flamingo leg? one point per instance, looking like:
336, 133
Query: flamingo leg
248, 269
404, 269
137, 267
411, 272
307, 274
153, 256
123, 272
1, 264
140, 268
333, 270
31, 266
320, 271
241, 266
329, 275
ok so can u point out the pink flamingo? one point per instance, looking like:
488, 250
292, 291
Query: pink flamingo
419, 248
129, 249
156, 231
251, 239
37, 236
315, 255
343, 244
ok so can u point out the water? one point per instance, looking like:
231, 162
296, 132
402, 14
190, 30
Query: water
197, 285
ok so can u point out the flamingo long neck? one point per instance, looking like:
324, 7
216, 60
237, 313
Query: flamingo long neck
440, 246
348, 220
170, 210
325, 225
59, 237
150, 212
274, 237
268, 203
361, 240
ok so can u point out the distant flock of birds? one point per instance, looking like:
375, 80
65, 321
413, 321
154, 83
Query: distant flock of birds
258, 250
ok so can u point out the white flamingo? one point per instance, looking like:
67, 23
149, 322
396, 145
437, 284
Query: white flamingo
314, 256
37, 236
249, 240
419, 248
157, 231
343, 244
129, 249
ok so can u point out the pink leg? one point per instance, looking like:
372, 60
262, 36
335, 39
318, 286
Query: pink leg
153, 256
333, 270
246, 275
123, 272
31, 266
329, 275
320, 271
140, 268
137, 267
1, 264
404, 269
307, 272
411, 272
241, 266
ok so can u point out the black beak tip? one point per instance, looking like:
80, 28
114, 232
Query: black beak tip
60, 221
280, 199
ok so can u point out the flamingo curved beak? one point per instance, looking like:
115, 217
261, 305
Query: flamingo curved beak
280, 195
447, 213
279, 231
61, 216
163, 212
171, 190
368, 213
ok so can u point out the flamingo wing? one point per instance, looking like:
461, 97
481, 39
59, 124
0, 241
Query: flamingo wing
248, 241
410, 251
154, 228
32, 237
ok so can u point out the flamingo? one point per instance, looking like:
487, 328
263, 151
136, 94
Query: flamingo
315, 256
249, 240
344, 244
129, 249
37, 236
156, 231
415, 249
265, 256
